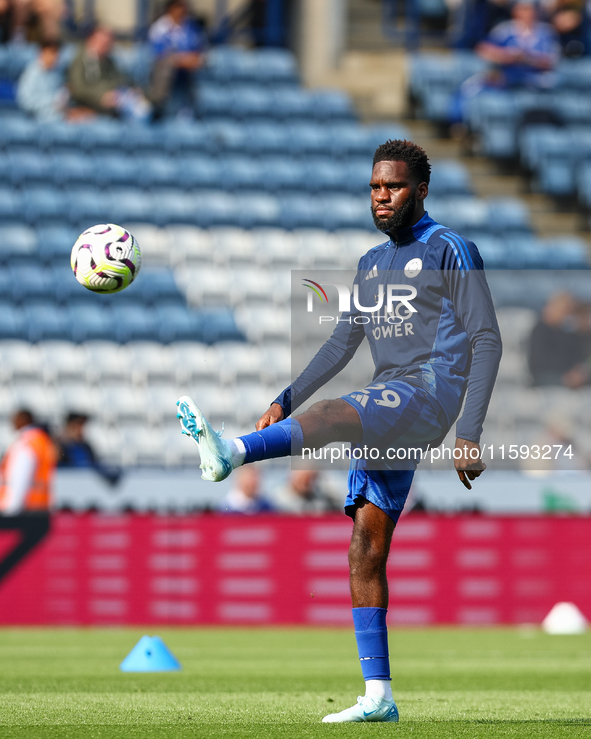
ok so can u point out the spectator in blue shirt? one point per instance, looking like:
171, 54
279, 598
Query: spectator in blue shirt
178, 44
41, 89
75, 451
245, 497
523, 51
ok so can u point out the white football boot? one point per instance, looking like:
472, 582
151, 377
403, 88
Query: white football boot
215, 453
368, 708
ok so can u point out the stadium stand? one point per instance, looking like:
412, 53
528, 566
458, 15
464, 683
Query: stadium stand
198, 319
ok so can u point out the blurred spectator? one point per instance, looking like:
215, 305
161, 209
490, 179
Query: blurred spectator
179, 44
569, 18
556, 344
30, 20
7, 20
41, 89
26, 476
304, 493
75, 451
96, 83
523, 51
245, 496
477, 18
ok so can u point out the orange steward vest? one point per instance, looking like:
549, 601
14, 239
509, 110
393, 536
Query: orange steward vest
38, 496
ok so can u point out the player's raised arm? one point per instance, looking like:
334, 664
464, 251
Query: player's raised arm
272, 415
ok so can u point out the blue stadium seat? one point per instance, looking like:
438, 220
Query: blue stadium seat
566, 252
159, 285
557, 176
213, 100
45, 320
185, 137
198, 171
301, 211
294, 103
357, 175
116, 169
136, 61
138, 138
226, 134
275, 65
128, 205
19, 56
102, 134
342, 211
332, 105
44, 203
283, 173
508, 214
17, 239
156, 170
255, 210
28, 167
89, 322
218, 325
12, 321
309, 138
171, 206
449, 178
134, 323
56, 242
263, 137
584, 184
379, 133
229, 63
325, 174
350, 139
177, 323
30, 282
252, 101
499, 140
73, 167
10, 204
88, 206
55, 137
575, 74
18, 132
242, 172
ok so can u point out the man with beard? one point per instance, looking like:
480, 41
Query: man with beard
435, 340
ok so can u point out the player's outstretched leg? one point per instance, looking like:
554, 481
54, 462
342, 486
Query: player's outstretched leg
219, 457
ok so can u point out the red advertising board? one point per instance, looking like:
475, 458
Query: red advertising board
134, 569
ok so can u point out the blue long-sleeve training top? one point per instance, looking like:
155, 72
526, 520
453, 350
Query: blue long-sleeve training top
438, 331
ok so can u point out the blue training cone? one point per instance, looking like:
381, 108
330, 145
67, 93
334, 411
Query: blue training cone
150, 654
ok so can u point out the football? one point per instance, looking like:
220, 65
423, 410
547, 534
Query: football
106, 258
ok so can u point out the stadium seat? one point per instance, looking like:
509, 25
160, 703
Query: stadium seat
291, 103
189, 245
128, 204
226, 134
119, 402
219, 324
317, 248
44, 204
239, 360
61, 360
30, 394
325, 175
261, 325
12, 321
17, 239
55, 137
156, 170
449, 177
21, 132
45, 320
90, 322
248, 285
332, 105
307, 138
243, 172
134, 323
205, 285
73, 167
198, 171
24, 167
106, 359
264, 137
149, 361
10, 204
274, 65
301, 211
159, 285
18, 358
277, 247
508, 214
357, 175
213, 100
171, 205
183, 138
86, 206
116, 169
253, 101
161, 401
283, 173
232, 246
29, 282
349, 211
142, 139
195, 361
102, 134
255, 210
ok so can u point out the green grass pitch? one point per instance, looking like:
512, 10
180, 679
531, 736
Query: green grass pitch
280, 682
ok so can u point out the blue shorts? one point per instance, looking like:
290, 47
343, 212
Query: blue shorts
399, 422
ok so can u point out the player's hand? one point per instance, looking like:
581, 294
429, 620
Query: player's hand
470, 465
272, 415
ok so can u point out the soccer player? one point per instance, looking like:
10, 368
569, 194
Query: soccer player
441, 348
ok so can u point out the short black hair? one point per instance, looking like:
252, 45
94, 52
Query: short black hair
75, 416
399, 150
26, 415
51, 43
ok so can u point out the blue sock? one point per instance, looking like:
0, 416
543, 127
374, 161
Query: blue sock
371, 634
277, 440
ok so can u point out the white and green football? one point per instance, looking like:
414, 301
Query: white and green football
106, 258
